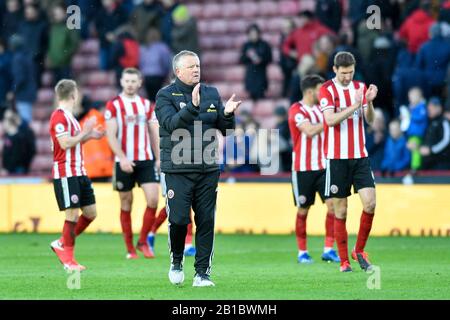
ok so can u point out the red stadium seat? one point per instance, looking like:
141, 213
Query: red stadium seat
238, 25
249, 9
195, 9
212, 10
36, 126
231, 10
274, 90
218, 26
100, 78
234, 74
264, 108
307, 5
268, 8
43, 146
45, 96
42, 163
90, 46
275, 24
92, 61
42, 113
274, 73
104, 94
229, 57
78, 62
288, 7
47, 79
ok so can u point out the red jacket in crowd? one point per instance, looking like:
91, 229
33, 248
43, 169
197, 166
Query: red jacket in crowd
303, 38
415, 29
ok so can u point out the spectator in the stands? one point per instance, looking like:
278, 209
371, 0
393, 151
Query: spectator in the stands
97, 155
287, 63
167, 20
415, 29
145, 16
322, 51
285, 147
302, 39
34, 30
380, 70
63, 44
184, 31
24, 86
366, 39
5, 74
435, 148
256, 55
396, 155
11, 19
19, 145
444, 12
109, 17
125, 51
447, 106
376, 139
345, 41
329, 12
155, 63
433, 58
417, 126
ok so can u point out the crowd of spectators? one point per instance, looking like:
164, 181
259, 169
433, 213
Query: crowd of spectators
407, 56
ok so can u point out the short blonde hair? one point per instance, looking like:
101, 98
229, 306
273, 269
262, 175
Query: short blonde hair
65, 88
132, 71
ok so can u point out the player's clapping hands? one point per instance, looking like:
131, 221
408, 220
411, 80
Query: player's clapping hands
371, 93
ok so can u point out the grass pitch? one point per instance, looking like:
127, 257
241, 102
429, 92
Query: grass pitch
245, 267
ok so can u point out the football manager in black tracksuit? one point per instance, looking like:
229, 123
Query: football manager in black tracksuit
189, 162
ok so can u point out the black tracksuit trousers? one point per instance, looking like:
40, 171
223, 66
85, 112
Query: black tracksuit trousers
198, 190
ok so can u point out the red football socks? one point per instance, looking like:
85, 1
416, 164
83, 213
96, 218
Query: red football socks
147, 223
300, 231
340, 233
125, 221
364, 229
160, 218
68, 234
189, 234
329, 230
82, 224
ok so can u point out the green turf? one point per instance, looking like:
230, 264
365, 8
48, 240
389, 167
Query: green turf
245, 267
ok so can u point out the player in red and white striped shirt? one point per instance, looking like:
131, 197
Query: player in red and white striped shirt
308, 166
345, 104
133, 135
72, 187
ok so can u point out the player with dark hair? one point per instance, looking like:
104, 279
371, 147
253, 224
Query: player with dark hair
308, 166
73, 189
132, 131
345, 104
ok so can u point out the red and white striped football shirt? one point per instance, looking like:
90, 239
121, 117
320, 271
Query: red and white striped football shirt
132, 117
307, 154
345, 140
66, 163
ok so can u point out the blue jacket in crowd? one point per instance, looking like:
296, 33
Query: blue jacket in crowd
419, 120
433, 58
396, 156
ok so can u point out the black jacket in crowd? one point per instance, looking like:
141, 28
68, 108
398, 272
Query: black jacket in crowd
437, 138
19, 150
174, 110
